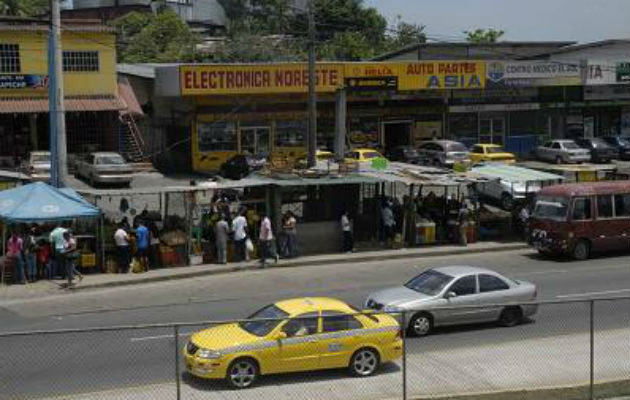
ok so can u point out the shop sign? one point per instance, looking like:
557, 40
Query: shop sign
601, 73
494, 107
623, 72
257, 79
442, 75
532, 73
36, 82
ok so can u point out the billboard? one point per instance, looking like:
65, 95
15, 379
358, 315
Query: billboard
442, 75
36, 82
532, 73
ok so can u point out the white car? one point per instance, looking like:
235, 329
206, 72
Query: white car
38, 165
563, 151
507, 192
104, 168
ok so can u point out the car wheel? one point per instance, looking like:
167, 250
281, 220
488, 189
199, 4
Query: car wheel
364, 362
437, 163
507, 202
242, 373
510, 316
581, 250
558, 160
421, 324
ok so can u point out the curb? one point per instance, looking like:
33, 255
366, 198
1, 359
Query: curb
602, 390
375, 256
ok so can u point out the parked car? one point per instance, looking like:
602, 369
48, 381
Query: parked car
490, 153
37, 166
303, 334
443, 153
406, 154
601, 152
104, 168
621, 143
578, 219
241, 165
452, 287
563, 151
363, 155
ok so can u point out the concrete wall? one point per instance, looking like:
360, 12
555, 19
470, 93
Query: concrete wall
319, 237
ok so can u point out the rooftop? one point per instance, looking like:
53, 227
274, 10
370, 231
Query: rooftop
21, 24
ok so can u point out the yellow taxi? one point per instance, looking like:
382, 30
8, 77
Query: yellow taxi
362, 155
294, 335
491, 153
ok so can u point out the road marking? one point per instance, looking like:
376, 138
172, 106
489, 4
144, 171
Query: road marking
141, 339
592, 293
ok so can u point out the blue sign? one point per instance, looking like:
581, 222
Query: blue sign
24, 82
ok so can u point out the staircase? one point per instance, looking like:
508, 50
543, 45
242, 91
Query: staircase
131, 144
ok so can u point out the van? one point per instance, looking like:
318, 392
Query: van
578, 219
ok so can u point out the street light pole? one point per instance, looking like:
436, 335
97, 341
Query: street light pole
57, 112
312, 95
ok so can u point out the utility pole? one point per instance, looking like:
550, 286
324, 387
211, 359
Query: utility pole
57, 113
312, 95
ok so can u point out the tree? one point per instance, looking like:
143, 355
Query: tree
483, 35
24, 8
161, 37
405, 34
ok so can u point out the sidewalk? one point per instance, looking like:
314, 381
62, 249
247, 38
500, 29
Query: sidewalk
96, 281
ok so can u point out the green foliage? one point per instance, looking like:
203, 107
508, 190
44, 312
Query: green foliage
27, 8
247, 47
405, 34
161, 37
347, 46
484, 35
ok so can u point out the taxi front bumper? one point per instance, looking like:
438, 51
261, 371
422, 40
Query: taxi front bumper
205, 368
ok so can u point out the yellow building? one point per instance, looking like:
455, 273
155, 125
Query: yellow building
91, 90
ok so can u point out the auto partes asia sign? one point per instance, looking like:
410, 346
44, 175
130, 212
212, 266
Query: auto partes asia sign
532, 73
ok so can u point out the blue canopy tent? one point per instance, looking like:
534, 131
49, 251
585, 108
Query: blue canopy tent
39, 202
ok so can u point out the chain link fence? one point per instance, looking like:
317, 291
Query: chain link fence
567, 350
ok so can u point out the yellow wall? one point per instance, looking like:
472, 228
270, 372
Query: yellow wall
34, 61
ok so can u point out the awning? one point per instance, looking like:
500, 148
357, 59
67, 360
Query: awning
127, 95
512, 173
25, 105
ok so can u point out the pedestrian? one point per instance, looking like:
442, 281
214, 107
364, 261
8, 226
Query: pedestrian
58, 244
266, 241
154, 250
15, 247
290, 232
462, 217
389, 223
30, 254
44, 259
71, 254
142, 244
221, 232
121, 238
239, 227
346, 230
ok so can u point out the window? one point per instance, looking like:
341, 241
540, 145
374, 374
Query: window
334, 321
555, 145
548, 144
80, 61
582, 209
622, 205
9, 58
553, 208
263, 321
302, 325
489, 283
290, 133
216, 136
464, 286
429, 282
477, 150
604, 206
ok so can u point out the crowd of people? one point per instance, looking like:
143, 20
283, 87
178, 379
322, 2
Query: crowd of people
34, 257
140, 242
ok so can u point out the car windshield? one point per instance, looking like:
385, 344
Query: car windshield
110, 160
264, 320
493, 149
624, 141
430, 282
554, 208
371, 154
456, 147
40, 158
599, 143
570, 145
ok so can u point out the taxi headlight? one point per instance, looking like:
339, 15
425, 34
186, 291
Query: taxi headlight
209, 354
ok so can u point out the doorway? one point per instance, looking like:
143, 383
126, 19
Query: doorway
396, 133
492, 130
255, 140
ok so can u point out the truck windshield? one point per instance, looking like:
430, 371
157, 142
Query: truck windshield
554, 208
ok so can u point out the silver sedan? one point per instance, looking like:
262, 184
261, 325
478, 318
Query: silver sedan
457, 295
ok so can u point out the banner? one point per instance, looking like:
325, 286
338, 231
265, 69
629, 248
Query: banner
532, 73
36, 82
442, 75
256, 79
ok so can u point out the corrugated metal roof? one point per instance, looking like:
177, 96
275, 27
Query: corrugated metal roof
41, 104
511, 173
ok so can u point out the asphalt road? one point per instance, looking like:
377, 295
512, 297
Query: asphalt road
59, 364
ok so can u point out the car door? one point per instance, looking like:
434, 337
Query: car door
477, 154
492, 290
299, 351
341, 334
621, 224
543, 151
556, 151
603, 232
466, 294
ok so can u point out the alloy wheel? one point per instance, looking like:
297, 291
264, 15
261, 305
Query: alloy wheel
364, 362
243, 374
421, 325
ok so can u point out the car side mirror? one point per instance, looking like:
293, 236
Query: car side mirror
450, 295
